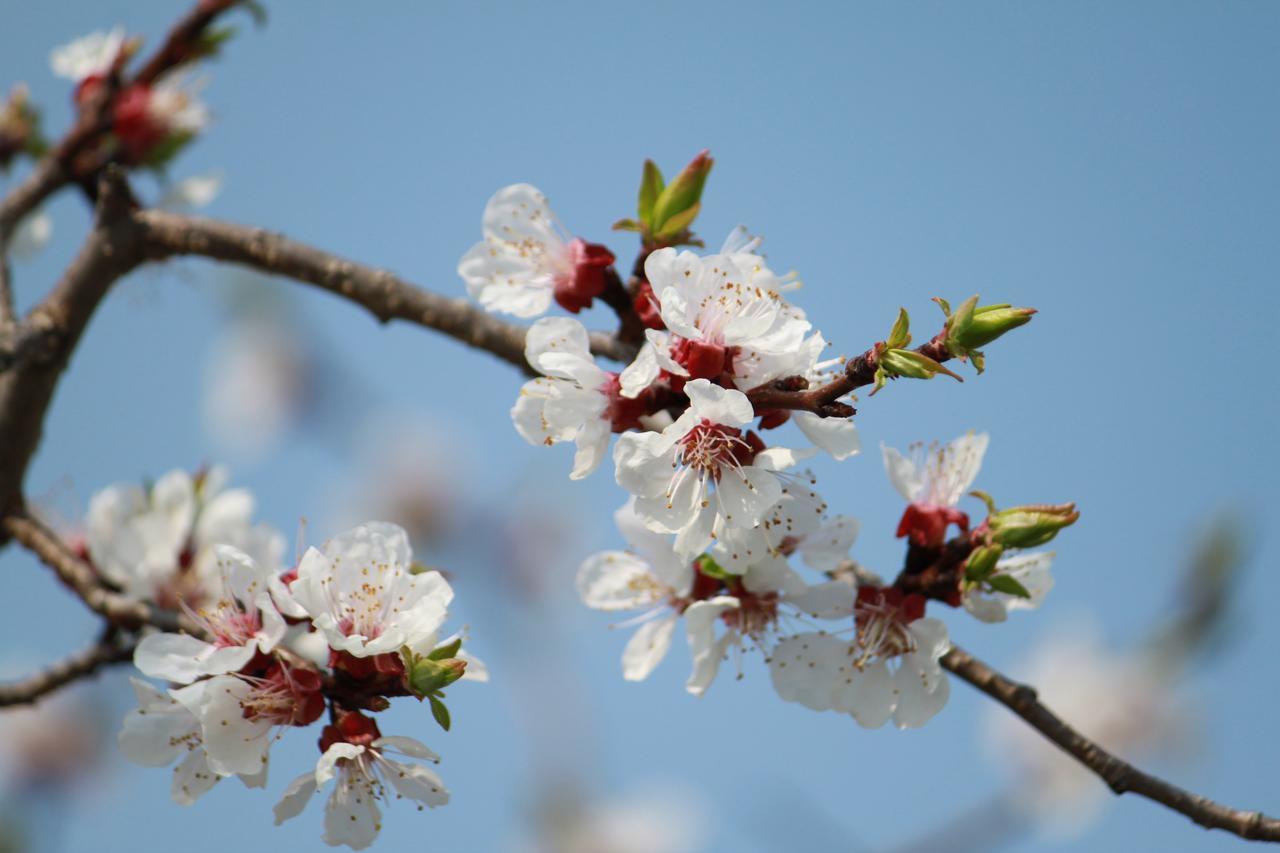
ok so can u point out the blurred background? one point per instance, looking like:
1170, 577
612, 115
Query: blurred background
1114, 167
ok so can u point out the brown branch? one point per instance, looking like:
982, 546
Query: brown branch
824, 399
119, 610
112, 248
72, 668
1119, 775
615, 295
380, 291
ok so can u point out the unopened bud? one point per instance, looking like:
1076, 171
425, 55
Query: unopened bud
1030, 526
982, 562
972, 326
426, 676
677, 205
911, 364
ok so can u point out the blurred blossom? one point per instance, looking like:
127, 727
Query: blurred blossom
191, 193
408, 471
31, 235
1123, 701
670, 820
257, 381
54, 745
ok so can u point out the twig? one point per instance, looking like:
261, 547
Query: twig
381, 292
80, 578
823, 400
72, 668
1119, 775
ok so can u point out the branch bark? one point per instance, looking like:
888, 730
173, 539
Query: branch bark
72, 668
381, 292
1119, 775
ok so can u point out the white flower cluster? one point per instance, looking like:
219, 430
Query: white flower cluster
714, 513
353, 625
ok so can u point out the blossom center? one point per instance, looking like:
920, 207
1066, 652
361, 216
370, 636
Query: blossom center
881, 617
709, 447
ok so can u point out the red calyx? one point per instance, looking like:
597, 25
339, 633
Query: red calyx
368, 668
701, 359
87, 88
575, 291
747, 455
704, 586
927, 524
351, 727
624, 412
647, 307
910, 606
137, 131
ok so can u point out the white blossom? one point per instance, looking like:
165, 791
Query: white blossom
87, 56
239, 617
936, 476
360, 592
650, 578
161, 730
175, 106
364, 776
701, 468
157, 543
527, 258
570, 402
889, 670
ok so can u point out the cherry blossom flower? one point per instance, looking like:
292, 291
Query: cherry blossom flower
933, 480
358, 759
157, 543
700, 468
724, 314
889, 670
239, 714
796, 524
526, 258
161, 730
87, 57
147, 115
241, 621
360, 592
1029, 569
651, 578
575, 400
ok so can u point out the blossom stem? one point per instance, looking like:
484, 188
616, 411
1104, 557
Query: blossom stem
1119, 775
82, 664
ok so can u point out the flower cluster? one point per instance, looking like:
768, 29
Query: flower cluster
150, 120
715, 512
266, 649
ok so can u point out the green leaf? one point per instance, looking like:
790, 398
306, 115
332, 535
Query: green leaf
163, 152
651, 186
627, 225
448, 651
421, 569
944, 305
1007, 585
440, 712
681, 194
679, 222
709, 567
900, 335
257, 10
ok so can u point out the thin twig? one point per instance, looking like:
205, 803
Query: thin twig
61, 673
1119, 775
120, 610
380, 291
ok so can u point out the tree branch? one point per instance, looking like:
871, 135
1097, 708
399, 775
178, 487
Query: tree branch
823, 400
72, 668
80, 578
1119, 775
380, 291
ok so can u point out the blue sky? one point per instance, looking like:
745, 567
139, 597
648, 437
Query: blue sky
1113, 166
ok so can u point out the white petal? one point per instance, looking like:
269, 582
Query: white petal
745, 495
351, 816
616, 580
406, 746
647, 647
327, 766
416, 782
903, 474
295, 797
837, 436
871, 697
192, 778
593, 443
804, 668
829, 600
917, 703
719, 405
560, 335
174, 657
827, 547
